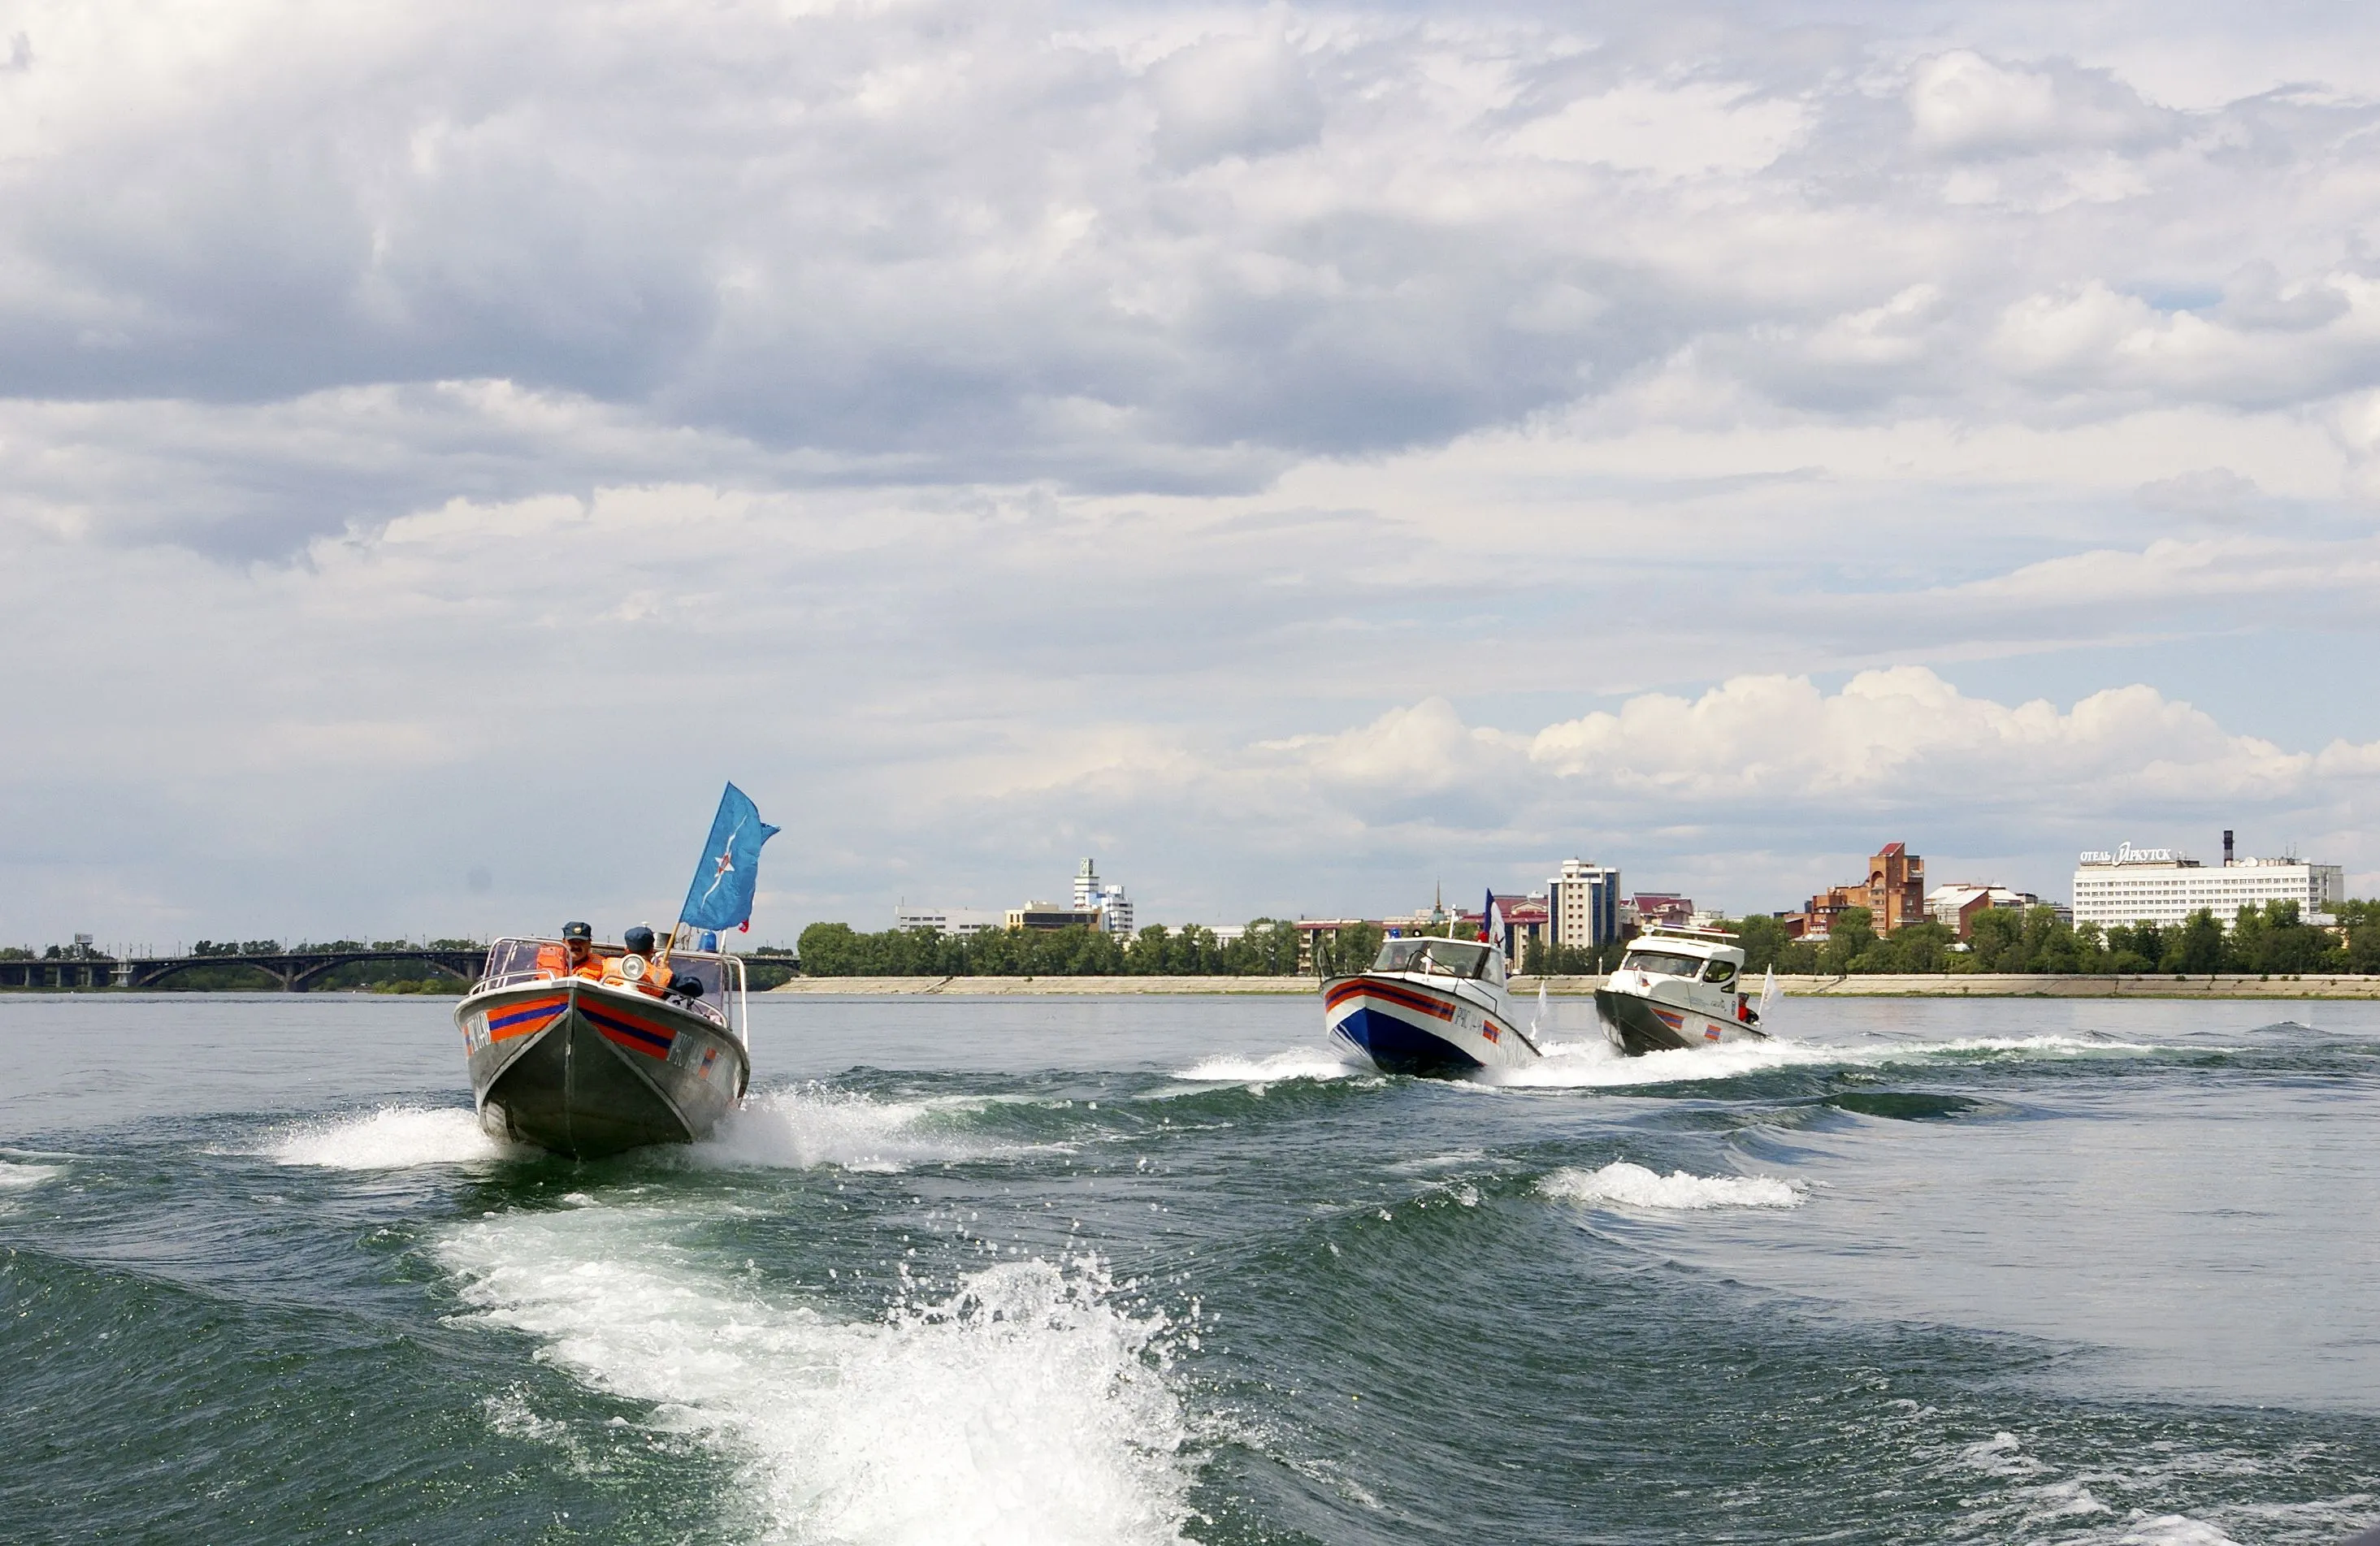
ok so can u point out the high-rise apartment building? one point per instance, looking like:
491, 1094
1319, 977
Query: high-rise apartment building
1583, 904
1108, 901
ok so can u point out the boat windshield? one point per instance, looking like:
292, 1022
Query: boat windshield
514, 961
1457, 957
1662, 963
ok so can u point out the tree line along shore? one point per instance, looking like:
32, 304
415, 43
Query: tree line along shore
2272, 940
1962, 984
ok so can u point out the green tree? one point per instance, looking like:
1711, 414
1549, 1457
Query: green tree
1763, 939
828, 950
1996, 939
1911, 947
1356, 948
2136, 948
1269, 948
2359, 949
1538, 959
2049, 942
2274, 941
2196, 947
1767, 945
1849, 938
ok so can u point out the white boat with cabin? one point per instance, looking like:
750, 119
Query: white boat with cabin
1678, 987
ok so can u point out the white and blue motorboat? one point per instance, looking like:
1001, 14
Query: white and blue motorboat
1434, 1008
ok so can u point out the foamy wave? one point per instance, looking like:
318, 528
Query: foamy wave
2048, 1045
1025, 1408
1297, 1063
1575, 1064
1597, 1062
812, 1126
1635, 1187
2002, 1455
2163, 1529
15, 1175
394, 1137
2048, 1499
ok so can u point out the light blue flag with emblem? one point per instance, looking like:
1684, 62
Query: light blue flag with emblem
721, 897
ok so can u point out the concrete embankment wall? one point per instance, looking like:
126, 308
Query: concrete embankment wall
1974, 984
1982, 984
1045, 987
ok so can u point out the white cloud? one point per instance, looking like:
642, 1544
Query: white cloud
1691, 129
1898, 748
1904, 735
989, 246
997, 430
1242, 96
1963, 103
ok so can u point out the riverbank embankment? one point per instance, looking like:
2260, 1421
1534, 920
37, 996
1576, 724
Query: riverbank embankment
1948, 984
877, 987
2014, 985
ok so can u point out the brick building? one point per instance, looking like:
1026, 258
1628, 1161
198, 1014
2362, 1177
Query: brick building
1894, 895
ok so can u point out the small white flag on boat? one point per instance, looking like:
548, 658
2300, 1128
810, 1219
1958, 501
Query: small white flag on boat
1767, 992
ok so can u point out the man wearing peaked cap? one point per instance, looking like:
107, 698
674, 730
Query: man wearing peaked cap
576, 958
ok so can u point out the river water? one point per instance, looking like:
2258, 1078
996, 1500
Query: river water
1149, 1270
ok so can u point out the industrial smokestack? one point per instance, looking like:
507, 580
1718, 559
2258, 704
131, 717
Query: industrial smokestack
2227, 848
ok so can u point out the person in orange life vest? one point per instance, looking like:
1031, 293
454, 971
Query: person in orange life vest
650, 972
574, 957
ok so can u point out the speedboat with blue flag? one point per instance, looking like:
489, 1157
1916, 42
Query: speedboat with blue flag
1680, 987
589, 1066
586, 1050
1434, 1008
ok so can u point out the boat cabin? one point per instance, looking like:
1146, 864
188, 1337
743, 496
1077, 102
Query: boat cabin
1705, 956
1445, 958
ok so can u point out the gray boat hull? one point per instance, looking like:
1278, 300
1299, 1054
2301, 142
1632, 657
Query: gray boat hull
1637, 1024
585, 1070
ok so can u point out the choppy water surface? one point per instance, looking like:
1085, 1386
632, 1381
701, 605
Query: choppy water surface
1159, 1270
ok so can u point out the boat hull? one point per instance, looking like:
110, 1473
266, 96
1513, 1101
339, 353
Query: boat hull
1639, 1024
1406, 1026
587, 1070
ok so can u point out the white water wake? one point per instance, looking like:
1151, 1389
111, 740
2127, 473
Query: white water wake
394, 1137
2041, 1495
1318, 1063
815, 1126
1634, 1186
17, 1175
1025, 1411
1572, 1065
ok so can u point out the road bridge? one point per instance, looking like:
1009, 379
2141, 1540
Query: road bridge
295, 971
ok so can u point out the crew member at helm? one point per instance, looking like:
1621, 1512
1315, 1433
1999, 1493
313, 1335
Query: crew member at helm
643, 968
574, 957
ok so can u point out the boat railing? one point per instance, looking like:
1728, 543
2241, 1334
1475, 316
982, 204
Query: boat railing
1686, 931
514, 963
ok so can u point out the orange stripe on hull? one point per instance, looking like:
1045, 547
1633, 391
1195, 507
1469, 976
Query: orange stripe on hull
1402, 997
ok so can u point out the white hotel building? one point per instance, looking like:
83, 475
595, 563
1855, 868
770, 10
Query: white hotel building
2161, 886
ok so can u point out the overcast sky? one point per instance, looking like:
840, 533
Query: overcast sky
1296, 456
